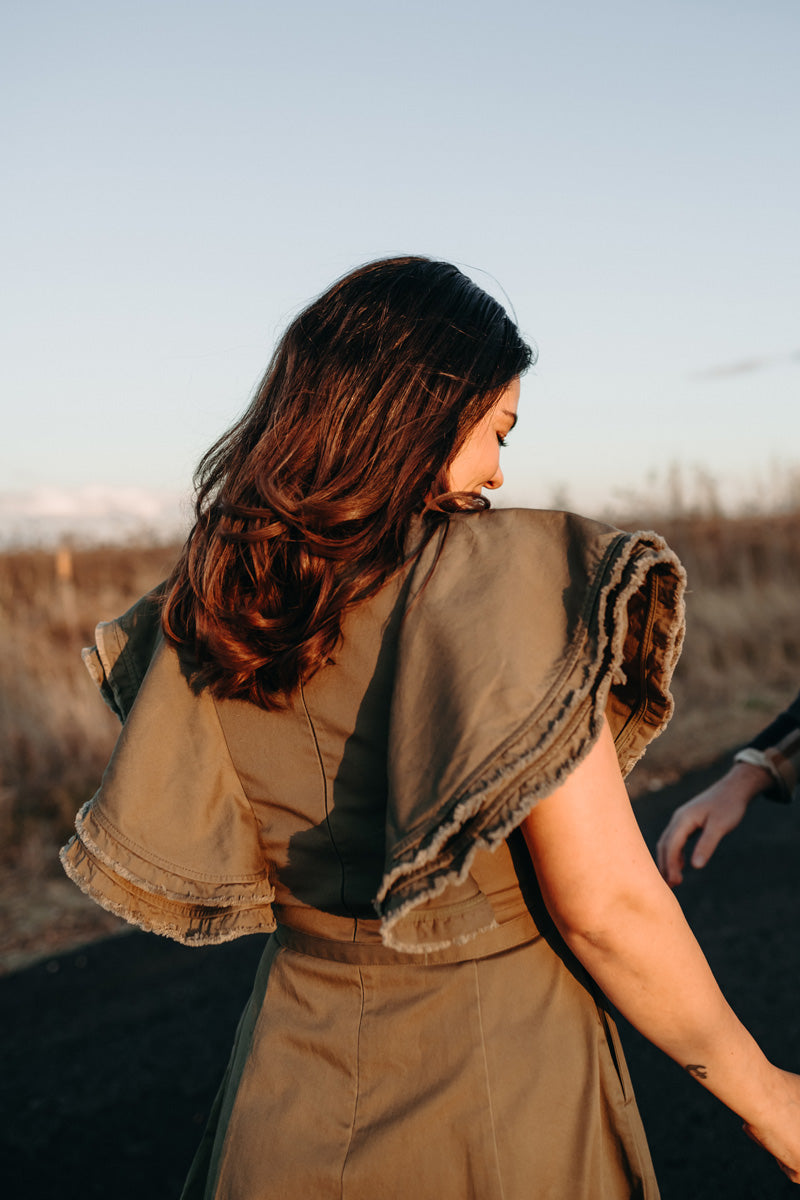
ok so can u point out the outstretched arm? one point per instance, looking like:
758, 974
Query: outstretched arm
618, 916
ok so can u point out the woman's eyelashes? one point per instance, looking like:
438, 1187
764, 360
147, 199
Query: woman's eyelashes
501, 441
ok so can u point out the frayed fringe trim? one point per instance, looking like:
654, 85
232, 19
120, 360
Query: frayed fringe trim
434, 886
472, 805
655, 553
218, 895
394, 942
201, 928
645, 553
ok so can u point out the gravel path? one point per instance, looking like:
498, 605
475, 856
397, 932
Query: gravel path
112, 1053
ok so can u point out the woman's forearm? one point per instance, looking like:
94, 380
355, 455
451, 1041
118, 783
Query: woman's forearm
619, 917
646, 960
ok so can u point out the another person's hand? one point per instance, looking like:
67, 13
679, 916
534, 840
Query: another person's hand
716, 811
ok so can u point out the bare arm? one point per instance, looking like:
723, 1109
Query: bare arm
716, 811
618, 916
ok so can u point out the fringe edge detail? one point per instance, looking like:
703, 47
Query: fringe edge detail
639, 554
195, 925
219, 894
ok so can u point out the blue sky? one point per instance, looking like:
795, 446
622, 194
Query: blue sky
182, 176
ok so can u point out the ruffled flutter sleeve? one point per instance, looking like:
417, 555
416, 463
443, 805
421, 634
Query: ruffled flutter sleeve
169, 841
523, 629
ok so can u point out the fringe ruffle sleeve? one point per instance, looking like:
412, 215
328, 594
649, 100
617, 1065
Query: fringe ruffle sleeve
169, 842
523, 630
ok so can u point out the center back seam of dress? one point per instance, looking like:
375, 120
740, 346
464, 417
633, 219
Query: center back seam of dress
326, 805
488, 1082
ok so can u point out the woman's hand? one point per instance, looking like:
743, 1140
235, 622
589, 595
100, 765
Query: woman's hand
716, 811
779, 1134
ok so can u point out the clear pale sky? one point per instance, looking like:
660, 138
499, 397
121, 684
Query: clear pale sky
182, 175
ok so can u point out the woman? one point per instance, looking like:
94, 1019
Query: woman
365, 692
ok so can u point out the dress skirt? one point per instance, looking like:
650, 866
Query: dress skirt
450, 1047
498, 1078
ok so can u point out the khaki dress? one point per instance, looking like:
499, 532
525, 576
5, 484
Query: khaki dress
417, 1027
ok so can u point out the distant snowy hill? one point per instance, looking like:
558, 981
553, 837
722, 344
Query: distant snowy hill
93, 513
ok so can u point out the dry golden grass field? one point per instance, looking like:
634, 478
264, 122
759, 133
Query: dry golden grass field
741, 663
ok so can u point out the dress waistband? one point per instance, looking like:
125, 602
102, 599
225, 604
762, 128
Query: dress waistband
342, 939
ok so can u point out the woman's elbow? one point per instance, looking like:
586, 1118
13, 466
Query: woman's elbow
601, 925
588, 930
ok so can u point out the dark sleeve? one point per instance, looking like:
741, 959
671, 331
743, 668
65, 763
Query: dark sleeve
777, 750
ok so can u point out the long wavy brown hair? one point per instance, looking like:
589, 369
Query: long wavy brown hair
303, 507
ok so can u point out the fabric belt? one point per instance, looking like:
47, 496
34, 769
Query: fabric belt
364, 947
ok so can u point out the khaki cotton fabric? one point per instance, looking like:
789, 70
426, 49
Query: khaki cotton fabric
497, 1078
448, 1046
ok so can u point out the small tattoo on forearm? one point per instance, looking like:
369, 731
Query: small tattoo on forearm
697, 1069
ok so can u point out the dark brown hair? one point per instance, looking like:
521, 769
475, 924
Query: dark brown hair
304, 506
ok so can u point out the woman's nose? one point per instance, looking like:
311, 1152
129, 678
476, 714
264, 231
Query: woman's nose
496, 481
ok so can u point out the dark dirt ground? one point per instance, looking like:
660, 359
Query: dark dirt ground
112, 1052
